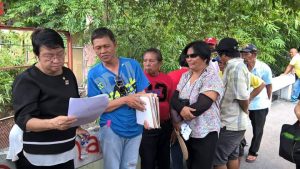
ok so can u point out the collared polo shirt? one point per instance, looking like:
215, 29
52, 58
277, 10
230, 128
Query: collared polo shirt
261, 101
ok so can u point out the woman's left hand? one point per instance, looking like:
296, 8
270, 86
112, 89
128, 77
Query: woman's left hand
146, 125
62, 122
186, 113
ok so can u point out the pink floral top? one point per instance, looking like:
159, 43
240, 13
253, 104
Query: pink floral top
209, 80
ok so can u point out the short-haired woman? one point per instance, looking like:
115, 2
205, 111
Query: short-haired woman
40, 100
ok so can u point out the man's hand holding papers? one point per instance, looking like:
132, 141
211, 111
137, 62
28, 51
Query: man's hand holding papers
151, 115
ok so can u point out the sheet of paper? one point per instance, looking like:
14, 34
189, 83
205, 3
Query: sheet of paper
87, 109
151, 114
141, 116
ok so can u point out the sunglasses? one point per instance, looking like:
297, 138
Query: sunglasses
194, 55
120, 87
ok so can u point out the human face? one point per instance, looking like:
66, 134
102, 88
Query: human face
151, 64
105, 49
212, 47
51, 61
223, 60
221, 65
249, 58
195, 63
293, 52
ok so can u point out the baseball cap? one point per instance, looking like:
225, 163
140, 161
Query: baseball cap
249, 48
212, 41
228, 45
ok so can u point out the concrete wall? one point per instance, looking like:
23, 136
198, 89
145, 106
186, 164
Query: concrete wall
282, 86
78, 65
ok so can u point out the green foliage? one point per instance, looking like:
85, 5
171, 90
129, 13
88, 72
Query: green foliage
12, 51
6, 81
272, 25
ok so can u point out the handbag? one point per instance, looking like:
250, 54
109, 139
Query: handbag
289, 147
182, 145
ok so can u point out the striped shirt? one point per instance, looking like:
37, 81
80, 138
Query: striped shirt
236, 80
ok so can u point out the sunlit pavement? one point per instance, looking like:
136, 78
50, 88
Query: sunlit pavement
281, 112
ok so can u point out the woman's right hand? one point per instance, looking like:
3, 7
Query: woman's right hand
62, 122
186, 113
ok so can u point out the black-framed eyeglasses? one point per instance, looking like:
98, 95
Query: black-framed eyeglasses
194, 55
120, 87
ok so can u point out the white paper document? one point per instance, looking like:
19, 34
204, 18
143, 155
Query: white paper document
151, 114
87, 109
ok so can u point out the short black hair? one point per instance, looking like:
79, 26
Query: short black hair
199, 47
103, 32
182, 60
45, 37
156, 52
229, 47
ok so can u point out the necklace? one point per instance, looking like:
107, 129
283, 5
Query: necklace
194, 82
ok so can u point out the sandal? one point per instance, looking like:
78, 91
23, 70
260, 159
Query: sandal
251, 158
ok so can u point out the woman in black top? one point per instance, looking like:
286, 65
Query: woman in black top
40, 101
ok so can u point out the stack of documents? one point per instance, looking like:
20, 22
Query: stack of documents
151, 113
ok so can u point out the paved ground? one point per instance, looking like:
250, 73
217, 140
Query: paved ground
281, 112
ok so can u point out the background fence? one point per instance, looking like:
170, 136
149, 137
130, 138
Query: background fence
5, 127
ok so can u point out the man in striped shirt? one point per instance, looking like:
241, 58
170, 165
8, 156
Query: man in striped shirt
234, 105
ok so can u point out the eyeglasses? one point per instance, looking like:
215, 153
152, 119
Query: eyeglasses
194, 55
59, 57
120, 87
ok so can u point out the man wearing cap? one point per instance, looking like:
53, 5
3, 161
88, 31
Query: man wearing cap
294, 64
257, 84
259, 105
234, 105
212, 43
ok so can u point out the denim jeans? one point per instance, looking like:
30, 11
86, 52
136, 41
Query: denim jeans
296, 90
119, 152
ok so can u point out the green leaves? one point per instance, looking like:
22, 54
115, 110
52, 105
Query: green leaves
14, 51
272, 25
